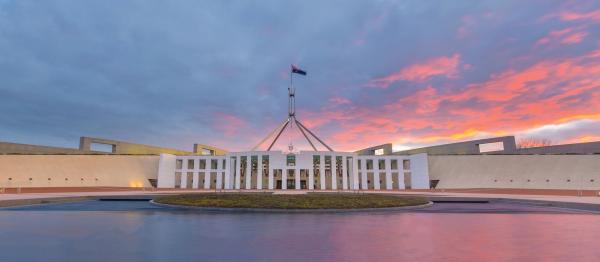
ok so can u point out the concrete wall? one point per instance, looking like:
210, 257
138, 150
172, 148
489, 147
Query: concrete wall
14, 148
120, 147
77, 170
516, 171
464, 148
578, 148
387, 150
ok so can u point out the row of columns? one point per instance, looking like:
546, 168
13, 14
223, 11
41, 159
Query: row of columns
376, 172
235, 173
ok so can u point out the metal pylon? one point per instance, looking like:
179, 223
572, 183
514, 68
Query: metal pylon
291, 120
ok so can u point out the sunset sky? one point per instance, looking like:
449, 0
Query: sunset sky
411, 73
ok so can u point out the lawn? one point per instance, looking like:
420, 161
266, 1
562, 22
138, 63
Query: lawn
307, 201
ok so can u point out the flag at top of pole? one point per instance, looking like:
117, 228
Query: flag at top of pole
297, 70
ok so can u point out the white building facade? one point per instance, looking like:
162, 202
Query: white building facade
306, 170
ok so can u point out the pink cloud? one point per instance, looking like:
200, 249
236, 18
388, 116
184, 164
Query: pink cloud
566, 36
420, 72
228, 124
573, 16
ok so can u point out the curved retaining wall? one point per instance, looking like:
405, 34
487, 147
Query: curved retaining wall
516, 171
77, 170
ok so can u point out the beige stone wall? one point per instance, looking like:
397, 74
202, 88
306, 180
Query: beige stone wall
516, 171
77, 170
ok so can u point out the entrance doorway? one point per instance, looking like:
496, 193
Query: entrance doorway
291, 184
303, 184
278, 184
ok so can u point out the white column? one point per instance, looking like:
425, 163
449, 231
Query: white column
376, 184
311, 179
195, 179
249, 172
238, 159
334, 176
184, 171
322, 171
207, 174
219, 171
344, 173
219, 180
271, 175
364, 177
297, 177
284, 178
355, 178
259, 172
388, 174
227, 184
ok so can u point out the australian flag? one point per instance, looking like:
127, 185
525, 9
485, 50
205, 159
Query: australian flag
298, 70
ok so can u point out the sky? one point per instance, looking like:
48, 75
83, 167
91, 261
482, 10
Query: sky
411, 73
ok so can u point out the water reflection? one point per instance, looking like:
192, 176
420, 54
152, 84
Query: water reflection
62, 233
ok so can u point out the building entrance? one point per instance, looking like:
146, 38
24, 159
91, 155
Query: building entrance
303, 184
291, 184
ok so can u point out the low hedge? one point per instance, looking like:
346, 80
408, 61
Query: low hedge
305, 201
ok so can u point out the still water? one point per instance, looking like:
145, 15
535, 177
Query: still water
138, 231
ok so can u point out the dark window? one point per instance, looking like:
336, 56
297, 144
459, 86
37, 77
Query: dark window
394, 164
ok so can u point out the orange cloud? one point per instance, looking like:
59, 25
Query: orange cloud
548, 92
420, 72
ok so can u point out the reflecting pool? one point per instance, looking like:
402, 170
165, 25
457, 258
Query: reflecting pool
138, 231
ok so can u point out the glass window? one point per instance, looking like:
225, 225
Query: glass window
213, 163
202, 164
359, 164
178, 164
291, 160
327, 162
381, 164
369, 164
190, 164
394, 164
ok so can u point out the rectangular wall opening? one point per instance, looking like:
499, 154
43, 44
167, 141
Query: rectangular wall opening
491, 147
106, 148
